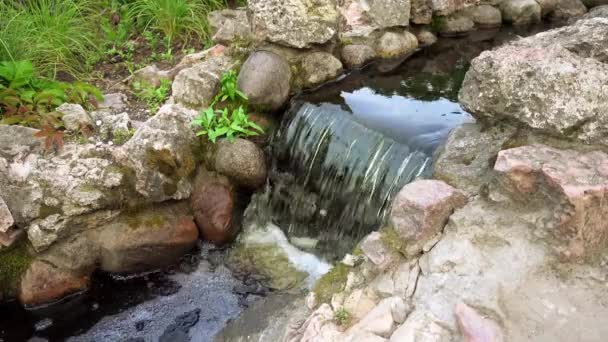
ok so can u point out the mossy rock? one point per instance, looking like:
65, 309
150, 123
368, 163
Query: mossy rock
14, 261
331, 283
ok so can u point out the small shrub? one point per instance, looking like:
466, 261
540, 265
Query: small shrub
154, 97
342, 317
232, 121
121, 136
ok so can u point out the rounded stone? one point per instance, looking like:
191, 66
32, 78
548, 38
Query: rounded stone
265, 78
320, 67
43, 283
426, 38
357, 55
485, 16
566, 9
520, 12
394, 45
454, 26
242, 161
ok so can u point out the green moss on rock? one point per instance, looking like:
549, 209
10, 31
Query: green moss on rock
14, 262
391, 239
331, 283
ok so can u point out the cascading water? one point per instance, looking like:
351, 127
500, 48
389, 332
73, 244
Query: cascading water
337, 166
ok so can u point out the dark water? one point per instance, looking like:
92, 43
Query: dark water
397, 119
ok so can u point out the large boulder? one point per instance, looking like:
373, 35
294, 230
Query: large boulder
356, 55
362, 17
229, 26
161, 155
520, 12
484, 16
566, 9
213, 204
396, 45
532, 81
597, 12
197, 86
319, 67
242, 161
455, 25
420, 211
266, 80
294, 23
148, 239
44, 283
447, 7
573, 183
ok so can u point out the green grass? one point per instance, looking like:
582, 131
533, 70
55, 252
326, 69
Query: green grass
56, 35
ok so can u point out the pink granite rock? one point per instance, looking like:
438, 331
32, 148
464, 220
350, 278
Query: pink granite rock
475, 327
421, 210
575, 183
6, 219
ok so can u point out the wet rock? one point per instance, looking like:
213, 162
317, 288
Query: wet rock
78, 254
229, 25
161, 154
572, 182
363, 18
74, 117
567, 9
213, 204
266, 80
484, 16
178, 331
421, 12
356, 55
6, 218
165, 233
420, 211
532, 81
426, 37
197, 86
466, 158
475, 327
396, 45
455, 25
520, 12
44, 283
375, 248
320, 67
294, 23
242, 161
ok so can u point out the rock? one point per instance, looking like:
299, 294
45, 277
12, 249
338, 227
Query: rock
78, 254
74, 117
484, 16
165, 233
8, 238
596, 12
357, 55
266, 80
379, 320
362, 17
447, 7
213, 205
197, 86
573, 183
464, 161
426, 38
566, 9
358, 304
531, 82
115, 102
229, 26
520, 12
320, 67
421, 12
455, 25
151, 75
113, 127
6, 218
546, 7
377, 251
595, 3
420, 211
420, 327
44, 283
161, 154
475, 327
294, 23
242, 161
395, 45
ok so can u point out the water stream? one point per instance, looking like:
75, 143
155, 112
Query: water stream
339, 157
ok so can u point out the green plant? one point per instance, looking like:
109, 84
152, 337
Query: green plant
121, 136
175, 19
56, 35
342, 317
152, 96
232, 121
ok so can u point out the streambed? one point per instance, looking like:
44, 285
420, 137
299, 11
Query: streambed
337, 199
